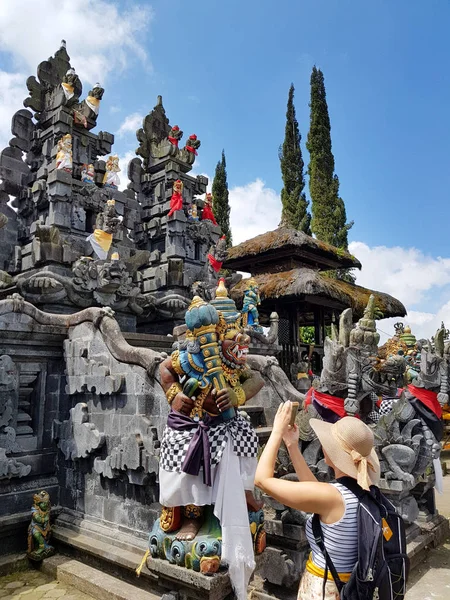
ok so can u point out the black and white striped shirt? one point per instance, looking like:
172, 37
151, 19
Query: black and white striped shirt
341, 538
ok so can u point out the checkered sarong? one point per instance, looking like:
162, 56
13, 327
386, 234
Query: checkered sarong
387, 405
175, 444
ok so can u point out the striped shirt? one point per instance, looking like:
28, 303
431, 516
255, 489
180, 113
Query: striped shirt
341, 538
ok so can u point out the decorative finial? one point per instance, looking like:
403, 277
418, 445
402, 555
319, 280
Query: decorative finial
221, 291
97, 86
63, 43
159, 101
196, 302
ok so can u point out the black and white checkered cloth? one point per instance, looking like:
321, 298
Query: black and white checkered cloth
386, 406
175, 444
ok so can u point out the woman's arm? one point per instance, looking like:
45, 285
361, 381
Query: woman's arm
309, 496
302, 470
290, 438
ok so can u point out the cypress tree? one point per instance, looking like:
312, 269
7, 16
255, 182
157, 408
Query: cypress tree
329, 219
220, 198
293, 199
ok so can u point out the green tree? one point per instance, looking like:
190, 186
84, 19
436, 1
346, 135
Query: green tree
329, 218
220, 198
295, 205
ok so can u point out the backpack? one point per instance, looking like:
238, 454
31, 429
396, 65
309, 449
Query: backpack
382, 569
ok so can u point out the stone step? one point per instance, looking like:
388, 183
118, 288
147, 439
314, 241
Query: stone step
93, 582
263, 434
118, 557
256, 414
158, 577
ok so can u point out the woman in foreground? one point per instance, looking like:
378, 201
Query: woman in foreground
348, 449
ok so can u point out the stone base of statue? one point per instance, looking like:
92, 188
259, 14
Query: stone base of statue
203, 553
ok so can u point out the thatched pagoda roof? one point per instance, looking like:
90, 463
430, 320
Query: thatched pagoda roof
302, 283
275, 247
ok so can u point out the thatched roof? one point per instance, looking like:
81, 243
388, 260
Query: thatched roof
283, 242
302, 283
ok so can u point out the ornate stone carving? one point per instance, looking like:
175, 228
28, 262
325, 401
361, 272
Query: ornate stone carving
10, 467
76, 437
103, 319
87, 375
136, 454
9, 387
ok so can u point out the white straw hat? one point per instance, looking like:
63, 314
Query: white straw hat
349, 443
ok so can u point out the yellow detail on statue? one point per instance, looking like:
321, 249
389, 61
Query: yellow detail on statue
174, 389
240, 394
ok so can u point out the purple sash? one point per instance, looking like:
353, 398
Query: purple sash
199, 451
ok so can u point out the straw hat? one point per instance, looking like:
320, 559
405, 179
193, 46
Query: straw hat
349, 445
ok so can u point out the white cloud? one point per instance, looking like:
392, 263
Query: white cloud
12, 93
409, 275
131, 124
124, 159
102, 40
406, 273
255, 209
101, 37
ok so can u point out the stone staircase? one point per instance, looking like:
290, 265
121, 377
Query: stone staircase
258, 420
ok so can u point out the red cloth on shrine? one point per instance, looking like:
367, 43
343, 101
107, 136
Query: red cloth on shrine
173, 140
176, 203
331, 402
208, 215
428, 398
216, 264
192, 150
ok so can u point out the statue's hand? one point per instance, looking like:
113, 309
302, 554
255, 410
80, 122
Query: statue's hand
183, 404
224, 399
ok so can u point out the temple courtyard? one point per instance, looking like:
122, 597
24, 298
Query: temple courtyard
430, 580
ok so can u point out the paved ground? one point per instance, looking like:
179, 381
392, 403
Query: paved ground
431, 579
33, 585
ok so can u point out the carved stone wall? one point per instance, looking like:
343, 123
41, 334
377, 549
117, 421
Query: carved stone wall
32, 390
109, 440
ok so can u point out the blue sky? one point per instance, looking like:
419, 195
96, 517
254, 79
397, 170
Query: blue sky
224, 71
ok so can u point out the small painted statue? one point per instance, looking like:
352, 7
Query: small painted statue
209, 450
175, 135
249, 308
176, 201
193, 144
193, 212
39, 530
106, 225
207, 213
64, 154
111, 179
88, 173
71, 86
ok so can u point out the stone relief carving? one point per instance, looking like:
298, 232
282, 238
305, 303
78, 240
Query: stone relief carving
10, 467
136, 454
76, 437
87, 375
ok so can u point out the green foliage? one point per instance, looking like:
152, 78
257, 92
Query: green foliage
293, 199
329, 218
307, 335
221, 203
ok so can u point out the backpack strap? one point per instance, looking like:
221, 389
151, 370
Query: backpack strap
319, 539
374, 493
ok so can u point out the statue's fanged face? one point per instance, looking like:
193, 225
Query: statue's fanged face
235, 350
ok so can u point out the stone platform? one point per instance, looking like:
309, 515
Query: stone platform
116, 554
